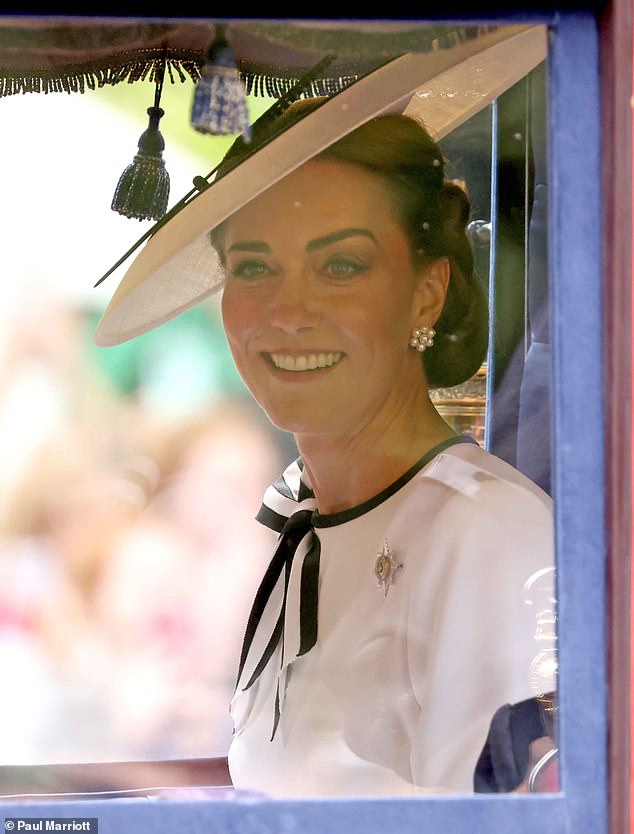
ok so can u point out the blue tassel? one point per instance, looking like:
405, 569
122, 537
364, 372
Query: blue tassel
220, 100
144, 187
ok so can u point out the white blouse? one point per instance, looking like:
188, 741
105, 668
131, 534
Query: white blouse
396, 696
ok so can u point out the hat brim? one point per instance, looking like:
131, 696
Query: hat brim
178, 269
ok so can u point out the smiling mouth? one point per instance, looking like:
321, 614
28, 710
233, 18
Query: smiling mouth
305, 362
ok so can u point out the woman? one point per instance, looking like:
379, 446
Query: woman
391, 623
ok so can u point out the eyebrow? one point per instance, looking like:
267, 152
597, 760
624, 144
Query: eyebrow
312, 246
341, 234
249, 246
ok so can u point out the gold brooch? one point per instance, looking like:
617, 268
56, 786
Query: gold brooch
385, 568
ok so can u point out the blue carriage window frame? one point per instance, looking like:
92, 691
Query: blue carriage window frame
590, 267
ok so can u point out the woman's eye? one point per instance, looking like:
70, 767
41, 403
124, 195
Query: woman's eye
250, 269
344, 267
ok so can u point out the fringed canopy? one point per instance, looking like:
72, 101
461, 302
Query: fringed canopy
73, 54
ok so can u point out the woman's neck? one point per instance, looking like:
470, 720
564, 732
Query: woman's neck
345, 472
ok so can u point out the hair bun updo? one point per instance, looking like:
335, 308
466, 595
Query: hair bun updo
462, 330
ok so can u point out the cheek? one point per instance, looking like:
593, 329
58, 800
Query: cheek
382, 324
239, 317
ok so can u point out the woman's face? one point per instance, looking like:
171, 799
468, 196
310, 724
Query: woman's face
320, 298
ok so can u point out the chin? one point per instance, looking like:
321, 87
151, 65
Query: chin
301, 421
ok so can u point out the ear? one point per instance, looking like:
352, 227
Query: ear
431, 291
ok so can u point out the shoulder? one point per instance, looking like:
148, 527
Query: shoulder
473, 481
481, 560
470, 506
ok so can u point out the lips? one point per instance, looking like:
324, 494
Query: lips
305, 361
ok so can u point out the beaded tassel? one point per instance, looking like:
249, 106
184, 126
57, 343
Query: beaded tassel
219, 106
143, 188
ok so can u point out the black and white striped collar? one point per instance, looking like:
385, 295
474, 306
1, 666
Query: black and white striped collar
284, 497
291, 493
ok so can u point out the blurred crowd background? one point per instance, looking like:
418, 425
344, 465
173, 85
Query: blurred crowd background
129, 553
129, 477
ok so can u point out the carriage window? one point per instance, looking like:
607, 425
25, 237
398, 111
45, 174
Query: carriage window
130, 552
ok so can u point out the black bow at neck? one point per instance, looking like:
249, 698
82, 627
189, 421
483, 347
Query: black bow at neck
293, 533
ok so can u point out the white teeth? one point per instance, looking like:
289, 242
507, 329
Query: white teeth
309, 362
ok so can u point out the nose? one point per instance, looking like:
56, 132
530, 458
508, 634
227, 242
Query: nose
294, 308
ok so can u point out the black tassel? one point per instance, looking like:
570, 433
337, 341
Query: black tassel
219, 106
143, 188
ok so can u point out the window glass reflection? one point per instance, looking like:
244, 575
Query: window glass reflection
381, 294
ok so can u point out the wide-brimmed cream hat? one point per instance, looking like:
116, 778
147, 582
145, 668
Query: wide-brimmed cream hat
177, 268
